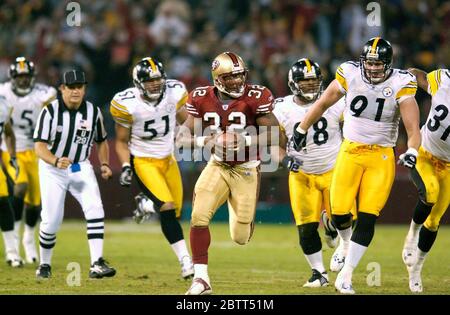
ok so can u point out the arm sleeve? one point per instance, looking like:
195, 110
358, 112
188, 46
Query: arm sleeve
340, 78
42, 131
434, 81
120, 114
192, 105
407, 90
100, 131
265, 103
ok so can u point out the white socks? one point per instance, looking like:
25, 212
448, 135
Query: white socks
10, 241
345, 238
201, 271
95, 249
315, 261
180, 249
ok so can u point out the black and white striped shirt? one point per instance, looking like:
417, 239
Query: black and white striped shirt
69, 133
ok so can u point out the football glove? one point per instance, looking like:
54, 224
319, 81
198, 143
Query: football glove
409, 158
126, 176
291, 163
15, 165
299, 139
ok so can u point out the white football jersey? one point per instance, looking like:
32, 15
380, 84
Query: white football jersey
25, 112
5, 115
436, 131
324, 137
372, 114
152, 126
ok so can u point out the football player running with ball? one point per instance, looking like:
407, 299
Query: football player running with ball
431, 175
311, 169
146, 116
228, 109
375, 93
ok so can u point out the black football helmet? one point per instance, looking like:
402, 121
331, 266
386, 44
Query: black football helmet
376, 49
23, 75
305, 80
149, 69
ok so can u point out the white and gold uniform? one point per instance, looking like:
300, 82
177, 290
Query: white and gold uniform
25, 112
309, 188
5, 115
432, 172
152, 140
366, 161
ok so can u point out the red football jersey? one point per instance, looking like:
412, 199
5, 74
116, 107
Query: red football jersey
234, 114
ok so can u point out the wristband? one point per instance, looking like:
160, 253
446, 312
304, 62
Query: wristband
248, 141
56, 162
300, 130
200, 141
412, 151
124, 165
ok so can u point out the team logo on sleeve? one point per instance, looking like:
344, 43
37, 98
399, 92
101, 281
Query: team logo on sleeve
387, 91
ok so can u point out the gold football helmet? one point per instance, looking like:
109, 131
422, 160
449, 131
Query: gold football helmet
229, 74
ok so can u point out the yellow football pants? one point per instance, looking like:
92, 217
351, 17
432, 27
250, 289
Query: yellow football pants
366, 171
28, 174
432, 178
309, 194
160, 180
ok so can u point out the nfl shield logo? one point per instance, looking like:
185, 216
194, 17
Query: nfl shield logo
224, 106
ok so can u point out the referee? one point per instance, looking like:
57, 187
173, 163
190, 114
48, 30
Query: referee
63, 140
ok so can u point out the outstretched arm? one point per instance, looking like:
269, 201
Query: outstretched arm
330, 96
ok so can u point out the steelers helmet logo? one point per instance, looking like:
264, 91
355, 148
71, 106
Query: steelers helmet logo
387, 91
215, 65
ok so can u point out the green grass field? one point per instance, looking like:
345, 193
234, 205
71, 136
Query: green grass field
271, 264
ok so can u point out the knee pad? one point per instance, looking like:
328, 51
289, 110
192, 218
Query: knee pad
342, 222
200, 217
309, 238
364, 229
241, 233
421, 212
426, 239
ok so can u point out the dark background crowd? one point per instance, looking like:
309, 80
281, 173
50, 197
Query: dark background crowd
186, 35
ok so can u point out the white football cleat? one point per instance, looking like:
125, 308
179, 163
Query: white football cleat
409, 252
29, 246
199, 287
342, 286
317, 280
337, 260
415, 279
187, 267
14, 260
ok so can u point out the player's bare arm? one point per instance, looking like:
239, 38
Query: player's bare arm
421, 77
330, 96
103, 157
181, 115
122, 139
10, 141
409, 111
44, 154
268, 120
